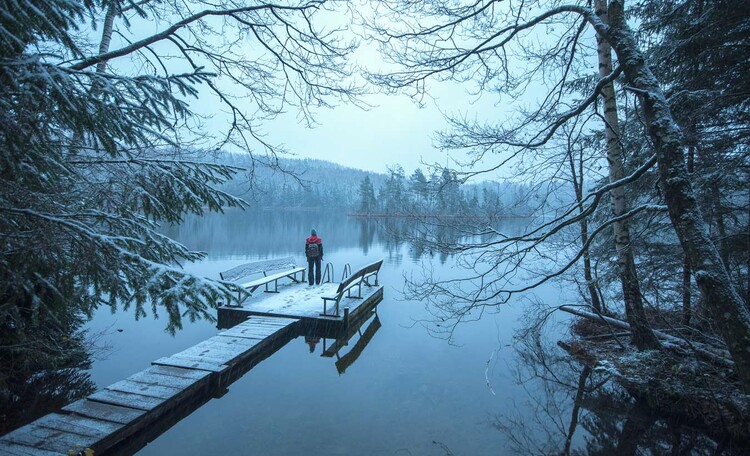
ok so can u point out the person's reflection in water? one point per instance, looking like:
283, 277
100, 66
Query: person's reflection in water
312, 341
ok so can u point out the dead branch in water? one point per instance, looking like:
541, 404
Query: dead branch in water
701, 350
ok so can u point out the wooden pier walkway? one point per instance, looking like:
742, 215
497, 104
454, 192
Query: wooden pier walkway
123, 417
112, 415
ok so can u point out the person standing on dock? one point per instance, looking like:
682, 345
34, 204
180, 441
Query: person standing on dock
314, 254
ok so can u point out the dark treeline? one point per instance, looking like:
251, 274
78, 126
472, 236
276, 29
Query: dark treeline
314, 184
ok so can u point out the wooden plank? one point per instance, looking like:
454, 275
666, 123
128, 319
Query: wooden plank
198, 362
215, 355
215, 350
246, 332
50, 440
179, 372
266, 323
254, 322
145, 389
364, 306
90, 427
190, 363
102, 411
229, 345
230, 340
250, 324
273, 320
8, 448
149, 377
263, 331
136, 401
258, 335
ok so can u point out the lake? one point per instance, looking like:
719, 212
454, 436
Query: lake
410, 392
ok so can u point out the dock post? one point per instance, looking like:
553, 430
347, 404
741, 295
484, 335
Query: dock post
346, 318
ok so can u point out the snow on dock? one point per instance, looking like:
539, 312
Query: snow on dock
104, 420
125, 416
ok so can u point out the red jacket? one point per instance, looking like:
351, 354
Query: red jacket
314, 240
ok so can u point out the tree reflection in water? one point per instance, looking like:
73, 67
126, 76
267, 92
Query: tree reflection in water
572, 409
427, 236
45, 364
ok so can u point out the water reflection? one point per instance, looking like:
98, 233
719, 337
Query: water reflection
573, 409
424, 236
312, 335
390, 378
267, 234
42, 368
345, 360
312, 341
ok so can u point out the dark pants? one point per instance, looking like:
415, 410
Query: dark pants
310, 263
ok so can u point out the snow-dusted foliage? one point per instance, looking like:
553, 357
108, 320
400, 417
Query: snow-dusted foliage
538, 57
84, 185
94, 157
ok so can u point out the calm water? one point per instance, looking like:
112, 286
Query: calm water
408, 393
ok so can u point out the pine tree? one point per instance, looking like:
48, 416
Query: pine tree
367, 202
93, 161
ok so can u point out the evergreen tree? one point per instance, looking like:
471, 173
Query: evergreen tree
419, 187
700, 51
393, 195
367, 202
92, 160
448, 191
469, 41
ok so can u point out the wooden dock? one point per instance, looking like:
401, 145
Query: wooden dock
303, 303
123, 417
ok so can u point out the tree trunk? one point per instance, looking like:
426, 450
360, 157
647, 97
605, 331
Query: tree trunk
723, 303
720, 224
687, 309
596, 303
577, 179
575, 415
687, 305
639, 420
642, 336
109, 20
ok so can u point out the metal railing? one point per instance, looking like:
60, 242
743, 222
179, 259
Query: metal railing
328, 273
347, 272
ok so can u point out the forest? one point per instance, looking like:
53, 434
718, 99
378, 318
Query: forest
322, 185
625, 147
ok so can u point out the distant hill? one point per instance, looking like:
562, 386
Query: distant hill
318, 183
311, 184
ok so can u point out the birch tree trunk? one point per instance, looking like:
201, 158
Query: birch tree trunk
642, 336
723, 303
108, 26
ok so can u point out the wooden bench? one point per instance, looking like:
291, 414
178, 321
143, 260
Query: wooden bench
288, 270
362, 276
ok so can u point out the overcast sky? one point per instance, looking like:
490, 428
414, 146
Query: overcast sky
395, 131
